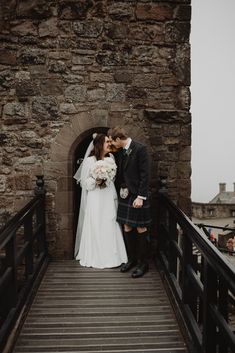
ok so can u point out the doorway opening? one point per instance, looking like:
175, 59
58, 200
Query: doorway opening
79, 153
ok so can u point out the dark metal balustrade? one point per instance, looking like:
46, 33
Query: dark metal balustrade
200, 278
23, 253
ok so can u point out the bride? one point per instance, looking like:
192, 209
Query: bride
99, 240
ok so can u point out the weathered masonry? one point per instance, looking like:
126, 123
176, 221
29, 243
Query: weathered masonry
70, 68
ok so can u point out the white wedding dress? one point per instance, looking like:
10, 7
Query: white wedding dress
99, 237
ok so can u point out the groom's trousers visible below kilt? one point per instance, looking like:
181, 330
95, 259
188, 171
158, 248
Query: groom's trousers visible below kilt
134, 217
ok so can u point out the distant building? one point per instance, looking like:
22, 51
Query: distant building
219, 212
221, 206
224, 196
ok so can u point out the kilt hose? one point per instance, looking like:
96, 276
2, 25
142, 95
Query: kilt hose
134, 217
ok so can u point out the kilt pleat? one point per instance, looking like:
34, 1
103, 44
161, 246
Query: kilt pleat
134, 217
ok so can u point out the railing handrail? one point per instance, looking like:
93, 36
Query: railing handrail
201, 279
17, 219
212, 254
23, 256
214, 226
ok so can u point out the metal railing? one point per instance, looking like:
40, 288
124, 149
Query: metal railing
23, 252
200, 278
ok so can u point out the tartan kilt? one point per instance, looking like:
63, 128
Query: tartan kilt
134, 217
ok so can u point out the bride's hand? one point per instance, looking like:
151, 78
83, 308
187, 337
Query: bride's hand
99, 181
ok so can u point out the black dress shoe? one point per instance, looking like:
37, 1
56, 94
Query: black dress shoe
127, 266
140, 270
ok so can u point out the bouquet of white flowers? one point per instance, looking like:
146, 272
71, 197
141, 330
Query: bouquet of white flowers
104, 171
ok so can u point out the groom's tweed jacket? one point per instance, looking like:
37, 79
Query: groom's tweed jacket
133, 169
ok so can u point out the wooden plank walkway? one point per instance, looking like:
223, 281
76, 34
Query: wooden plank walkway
80, 309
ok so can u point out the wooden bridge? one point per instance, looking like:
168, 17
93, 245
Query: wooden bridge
183, 305
86, 310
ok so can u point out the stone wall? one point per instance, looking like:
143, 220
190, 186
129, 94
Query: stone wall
70, 67
212, 210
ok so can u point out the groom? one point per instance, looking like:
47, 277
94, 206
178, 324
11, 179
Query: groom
133, 207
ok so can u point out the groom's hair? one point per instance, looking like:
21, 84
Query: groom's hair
116, 132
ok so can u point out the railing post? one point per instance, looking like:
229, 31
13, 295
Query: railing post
28, 235
11, 296
187, 260
40, 214
39, 189
173, 232
209, 297
163, 185
162, 215
223, 309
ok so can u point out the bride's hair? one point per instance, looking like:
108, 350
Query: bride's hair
98, 142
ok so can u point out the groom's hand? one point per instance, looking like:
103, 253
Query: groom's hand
137, 203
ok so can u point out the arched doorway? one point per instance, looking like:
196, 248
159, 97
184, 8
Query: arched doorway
79, 153
63, 195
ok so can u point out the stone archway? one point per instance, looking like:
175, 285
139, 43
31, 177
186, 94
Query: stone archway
58, 171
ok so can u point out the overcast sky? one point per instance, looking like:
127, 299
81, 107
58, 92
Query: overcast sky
213, 97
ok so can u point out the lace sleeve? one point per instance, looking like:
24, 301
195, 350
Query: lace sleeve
87, 182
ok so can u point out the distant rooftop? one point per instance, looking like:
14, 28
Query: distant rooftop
224, 196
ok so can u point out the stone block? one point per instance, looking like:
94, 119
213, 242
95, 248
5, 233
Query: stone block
184, 170
157, 12
25, 88
76, 93
117, 32
123, 76
115, 92
45, 108
121, 11
25, 28
66, 244
100, 116
65, 184
59, 153
36, 9
101, 77
183, 13
68, 108
57, 66
89, 29
51, 87
14, 113
185, 154
136, 92
148, 33
53, 170
64, 202
48, 28
83, 60
73, 78
95, 95
6, 79
70, 10
21, 201
8, 57
66, 137
23, 182
32, 57
3, 139
171, 130
177, 32
66, 221
3, 182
